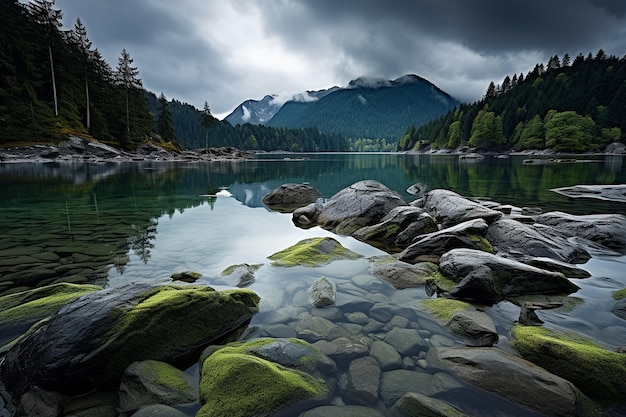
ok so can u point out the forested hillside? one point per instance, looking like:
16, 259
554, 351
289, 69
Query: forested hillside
372, 109
191, 134
54, 83
564, 106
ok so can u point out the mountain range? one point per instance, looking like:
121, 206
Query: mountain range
365, 108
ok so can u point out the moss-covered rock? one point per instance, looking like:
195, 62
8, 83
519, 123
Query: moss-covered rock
90, 342
186, 276
598, 372
464, 320
237, 381
312, 252
444, 308
28, 307
619, 295
154, 382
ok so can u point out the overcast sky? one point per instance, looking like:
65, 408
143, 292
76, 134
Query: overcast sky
225, 52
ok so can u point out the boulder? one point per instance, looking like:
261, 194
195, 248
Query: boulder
30, 306
397, 229
619, 309
509, 376
234, 381
512, 236
362, 204
153, 382
386, 355
596, 371
605, 229
477, 286
413, 404
41, 403
510, 277
89, 343
312, 252
186, 276
475, 327
241, 275
549, 264
363, 381
322, 293
609, 192
288, 197
394, 384
402, 274
449, 208
469, 234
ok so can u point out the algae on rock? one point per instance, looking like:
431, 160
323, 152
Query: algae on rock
597, 372
312, 252
238, 381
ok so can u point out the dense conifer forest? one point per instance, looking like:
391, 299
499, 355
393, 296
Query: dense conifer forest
54, 83
564, 106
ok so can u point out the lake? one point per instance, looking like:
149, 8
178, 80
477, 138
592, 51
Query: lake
111, 224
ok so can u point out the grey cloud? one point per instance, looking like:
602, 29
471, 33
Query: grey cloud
459, 45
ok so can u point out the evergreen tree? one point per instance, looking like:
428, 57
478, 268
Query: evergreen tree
49, 18
126, 76
79, 37
207, 121
164, 121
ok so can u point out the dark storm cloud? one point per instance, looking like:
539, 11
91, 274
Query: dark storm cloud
226, 52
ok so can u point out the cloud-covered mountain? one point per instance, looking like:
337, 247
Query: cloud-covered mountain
260, 111
369, 108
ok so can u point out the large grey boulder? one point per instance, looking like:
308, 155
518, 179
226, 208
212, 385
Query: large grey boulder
362, 204
89, 343
289, 197
512, 236
363, 381
606, 229
469, 234
510, 277
509, 376
476, 327
450, 208
397, 229
402, 274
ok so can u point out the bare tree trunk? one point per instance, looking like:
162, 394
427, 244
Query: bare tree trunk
54, 83
127, 115
88, 110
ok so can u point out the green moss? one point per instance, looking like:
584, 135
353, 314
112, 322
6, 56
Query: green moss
619, 295
312, 252
443, 282
482, 243
236, 384
33, 305
169, 321
252, 268
597, 372
444, 308
164, 374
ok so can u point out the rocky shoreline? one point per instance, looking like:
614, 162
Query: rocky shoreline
359, 345
76, 149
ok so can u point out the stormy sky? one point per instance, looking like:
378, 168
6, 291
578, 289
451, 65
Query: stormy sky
225, 52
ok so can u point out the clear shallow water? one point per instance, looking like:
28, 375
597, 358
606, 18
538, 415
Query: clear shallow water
112, 224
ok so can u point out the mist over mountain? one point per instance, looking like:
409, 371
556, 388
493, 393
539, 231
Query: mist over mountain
260, 111
369, 108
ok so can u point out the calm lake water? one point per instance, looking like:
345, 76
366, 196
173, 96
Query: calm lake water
111, 224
